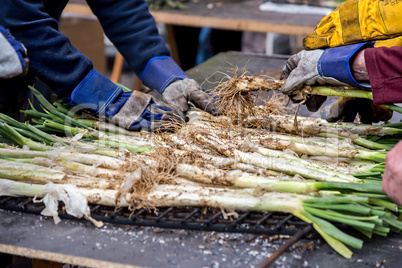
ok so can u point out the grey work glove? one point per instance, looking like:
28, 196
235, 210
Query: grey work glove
180, 92
140, 111
301, 69
346, 109
13, 56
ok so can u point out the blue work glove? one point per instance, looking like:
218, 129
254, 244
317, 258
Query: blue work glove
13, 60
329, 66
132, 110
167, 78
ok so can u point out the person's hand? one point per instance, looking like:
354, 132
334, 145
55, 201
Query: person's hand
392, 179
180, 92
302, 69
330, 66
163, 75
13, 56
131, 110
138, 111
346, 109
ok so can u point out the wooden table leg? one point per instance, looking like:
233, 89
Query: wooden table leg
172, 44
117, 68
36, 263
137, 84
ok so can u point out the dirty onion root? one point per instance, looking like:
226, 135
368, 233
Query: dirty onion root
242, 97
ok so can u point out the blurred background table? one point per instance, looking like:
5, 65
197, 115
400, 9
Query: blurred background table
234, 15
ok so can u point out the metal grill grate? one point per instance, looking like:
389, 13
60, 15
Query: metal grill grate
203, 219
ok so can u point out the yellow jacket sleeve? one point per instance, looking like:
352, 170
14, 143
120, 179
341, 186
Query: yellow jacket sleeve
394, 42
356, 21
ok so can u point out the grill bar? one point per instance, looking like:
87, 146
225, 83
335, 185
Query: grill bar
202, 219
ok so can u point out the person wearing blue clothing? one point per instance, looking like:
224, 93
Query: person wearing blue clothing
71, 75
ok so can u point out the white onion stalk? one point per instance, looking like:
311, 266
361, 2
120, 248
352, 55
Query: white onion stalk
312, 149
78, 167
75, 203
285, 123
40, 174
309, 125
236, 178
293, 160
88, 159
289, 168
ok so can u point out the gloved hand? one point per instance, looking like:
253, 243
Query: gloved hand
346, 109
137, 111
13, 60
301, 69
356, 21
330, 66
131, 110
166, 77
180, 92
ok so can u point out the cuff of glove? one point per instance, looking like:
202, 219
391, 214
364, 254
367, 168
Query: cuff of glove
335, 63
95, 92
160, 72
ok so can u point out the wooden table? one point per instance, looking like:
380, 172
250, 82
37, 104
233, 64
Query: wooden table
240, 15
237, 15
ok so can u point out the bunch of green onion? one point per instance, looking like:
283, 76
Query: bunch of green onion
236, 168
